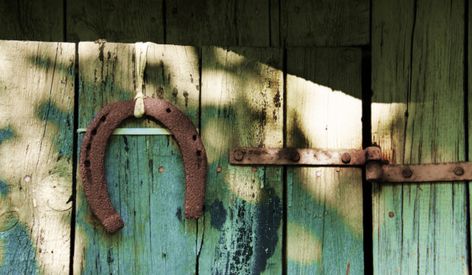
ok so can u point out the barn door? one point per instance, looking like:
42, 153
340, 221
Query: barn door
258, 220
235, 98
420, 115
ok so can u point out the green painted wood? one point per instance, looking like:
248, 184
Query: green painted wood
418, 117
119, 21
325, 22
36, 126
242, 99
324, 205
221, 23
145, 173
32, 20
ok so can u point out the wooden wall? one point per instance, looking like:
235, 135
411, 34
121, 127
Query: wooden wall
186, 22
345, 73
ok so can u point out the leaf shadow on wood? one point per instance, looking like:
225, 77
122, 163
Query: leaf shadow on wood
268, 213
35, 144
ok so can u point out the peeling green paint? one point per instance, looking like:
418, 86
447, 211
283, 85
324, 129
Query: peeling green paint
5, 134
18, 252
4, 188
49, 111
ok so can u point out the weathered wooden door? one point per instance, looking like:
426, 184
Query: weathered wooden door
257, 220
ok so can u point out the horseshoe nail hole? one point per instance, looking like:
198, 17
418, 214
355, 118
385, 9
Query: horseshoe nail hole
87, 163
194, 137
88, 146
103, 118
168, 110
199, 153
94, 132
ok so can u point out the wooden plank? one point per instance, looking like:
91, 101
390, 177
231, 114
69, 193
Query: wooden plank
418, 117
325, 22
36, 126
324, 212
242, 99
118, 21
32, 20
469, 108
145, 173
222, 23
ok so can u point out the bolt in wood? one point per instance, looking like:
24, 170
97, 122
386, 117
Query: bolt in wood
407, 173
459, 171
346, 158
238, 155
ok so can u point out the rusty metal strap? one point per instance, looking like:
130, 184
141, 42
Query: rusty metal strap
432, 172
377, 169
297, 156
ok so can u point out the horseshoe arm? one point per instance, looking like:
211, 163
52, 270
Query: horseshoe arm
92, 157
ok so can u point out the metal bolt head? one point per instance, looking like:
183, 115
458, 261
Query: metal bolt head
238, 155
407, 173
346, 158
294, 156
459, 171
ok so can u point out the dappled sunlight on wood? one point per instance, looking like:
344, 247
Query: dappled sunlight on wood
148, 190
245, 187
322, 118
37, 165
219, 80
338, 190
388, 119
324, 111
302, 245
330, 119
248, 94
215, 139
241, 105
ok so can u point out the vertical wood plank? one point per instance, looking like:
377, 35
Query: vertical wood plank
32, 20
274, 23
418, 117
469, 109
36, 126
119, 21
325, 22
221, 23
145, 174
324, 212
242, 99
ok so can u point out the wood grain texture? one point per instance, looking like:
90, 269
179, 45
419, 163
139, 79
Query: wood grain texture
220, 23
469, 108
36, 126
119, 21
32, 20
324, 212
145, 173
418, 117
325, 22
242, 99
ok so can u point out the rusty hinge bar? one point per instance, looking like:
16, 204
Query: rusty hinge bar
297, 156
377, 169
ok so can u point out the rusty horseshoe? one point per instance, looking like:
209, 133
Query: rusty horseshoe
92, 157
